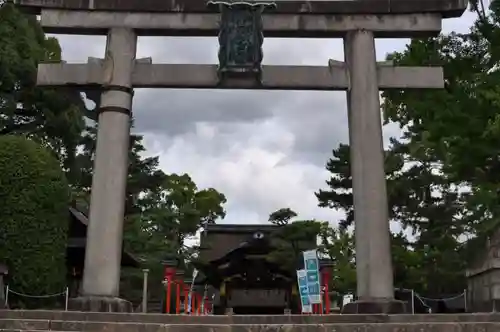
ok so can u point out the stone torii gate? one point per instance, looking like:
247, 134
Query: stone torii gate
241, 27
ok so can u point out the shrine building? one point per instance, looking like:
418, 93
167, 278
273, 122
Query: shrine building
238, 276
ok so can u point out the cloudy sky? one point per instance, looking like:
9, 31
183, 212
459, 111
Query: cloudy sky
263, 149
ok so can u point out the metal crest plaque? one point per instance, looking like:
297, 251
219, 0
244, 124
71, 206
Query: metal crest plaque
240, 38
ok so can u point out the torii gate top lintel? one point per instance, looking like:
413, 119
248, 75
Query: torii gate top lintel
241, 35
446, 8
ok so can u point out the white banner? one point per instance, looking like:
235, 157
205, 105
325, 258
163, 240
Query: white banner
190, 296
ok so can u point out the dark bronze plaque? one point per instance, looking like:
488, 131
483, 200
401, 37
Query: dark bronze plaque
240, 39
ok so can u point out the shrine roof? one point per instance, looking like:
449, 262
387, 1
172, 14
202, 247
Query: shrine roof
251, 247
236, 261
240, 228
447, 8
77, 239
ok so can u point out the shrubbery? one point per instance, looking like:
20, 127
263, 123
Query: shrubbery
33, 216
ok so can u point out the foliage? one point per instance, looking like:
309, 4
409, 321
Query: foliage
282, 216
161, 211
339, 194
291, 239
34, 216
460, 133
144, 175
444, 176
53, 118
338, 246
423, 202
169, 215
177, 210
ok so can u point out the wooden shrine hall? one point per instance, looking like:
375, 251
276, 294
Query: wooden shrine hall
75, 249
238, 277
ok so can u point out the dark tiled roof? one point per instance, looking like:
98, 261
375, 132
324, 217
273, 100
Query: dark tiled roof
79, 215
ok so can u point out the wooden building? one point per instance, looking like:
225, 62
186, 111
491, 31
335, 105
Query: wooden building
234, 263
75, 250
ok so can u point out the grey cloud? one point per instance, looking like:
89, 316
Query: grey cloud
216, 135
318, 120
175, 112
76, 49
201, 50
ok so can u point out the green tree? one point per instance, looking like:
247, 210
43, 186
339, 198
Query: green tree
338, 246
161, 212
178, 209
282, 216
292, 238
52, 118
461, 128
34, 216
143, 172
169, 216
422, 201
339, 192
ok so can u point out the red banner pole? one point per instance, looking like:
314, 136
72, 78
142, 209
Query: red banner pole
193, 303
186, 298
198, 300
178, 297
168, 295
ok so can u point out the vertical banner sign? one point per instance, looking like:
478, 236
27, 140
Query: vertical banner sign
304, 291
311, 265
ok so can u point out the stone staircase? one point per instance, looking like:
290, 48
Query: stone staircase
17, 321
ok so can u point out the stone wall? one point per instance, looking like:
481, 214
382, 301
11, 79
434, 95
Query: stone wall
483, 279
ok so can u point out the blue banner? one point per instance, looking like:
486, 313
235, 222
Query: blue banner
304, 291
311, 266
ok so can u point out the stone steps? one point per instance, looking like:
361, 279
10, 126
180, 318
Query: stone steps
65, 321
346, 327
235, 319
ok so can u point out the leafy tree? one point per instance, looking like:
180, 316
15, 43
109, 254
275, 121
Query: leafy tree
143, 173
421, 200
169, 215
53, 118
292, 238
34, 216
177, 210
161, 212
338, 246
461, 131
282, 216
339, 194
56, 119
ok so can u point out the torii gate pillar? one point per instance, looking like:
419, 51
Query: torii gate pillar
101, 278
375, 290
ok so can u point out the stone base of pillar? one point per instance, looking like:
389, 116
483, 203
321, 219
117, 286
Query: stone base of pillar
375, 307
99, 304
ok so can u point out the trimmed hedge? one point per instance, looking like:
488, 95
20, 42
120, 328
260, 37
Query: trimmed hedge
34, 216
